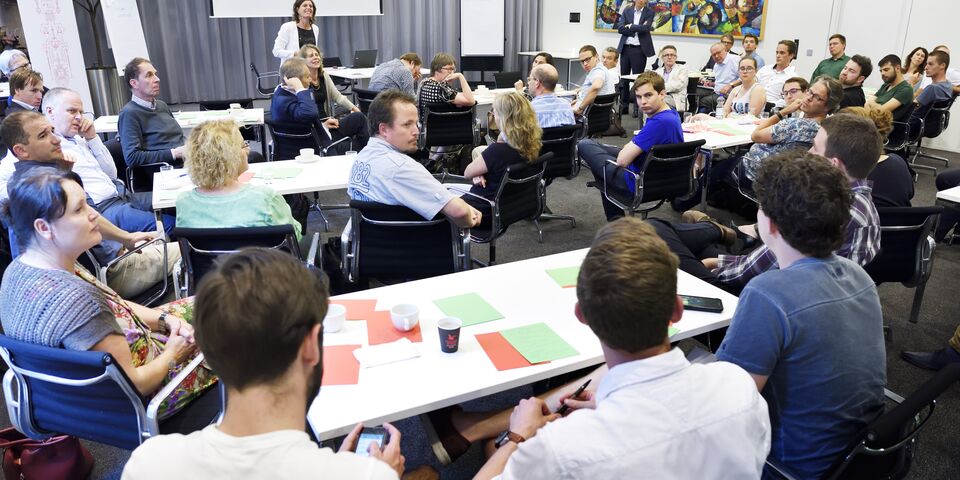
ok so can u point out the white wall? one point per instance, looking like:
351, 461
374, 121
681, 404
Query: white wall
890, 26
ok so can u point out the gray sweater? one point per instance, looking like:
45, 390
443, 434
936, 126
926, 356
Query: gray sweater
53, 308
147, 136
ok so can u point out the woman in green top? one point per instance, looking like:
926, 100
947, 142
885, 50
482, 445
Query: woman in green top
216, 155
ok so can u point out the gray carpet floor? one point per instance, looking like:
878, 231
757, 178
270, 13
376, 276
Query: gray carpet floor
939, 448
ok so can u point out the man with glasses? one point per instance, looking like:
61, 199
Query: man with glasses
635, 45
793, 89
26, 91
725, 72
896, 94
596, 81
773, 77
857, 69
834, 65
551, 110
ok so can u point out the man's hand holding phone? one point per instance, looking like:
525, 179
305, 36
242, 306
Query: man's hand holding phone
382, 443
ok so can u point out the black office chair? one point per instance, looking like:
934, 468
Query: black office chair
899, 137
886, 447
596, 117
666, 174
365, 98
116, 151
562, 143
934, 123
289, 138
446, 125
693, 95
251, 133
200, 247
265, 82
505, 79
342, 84
520, 197
140, 179
389, 242
906, 249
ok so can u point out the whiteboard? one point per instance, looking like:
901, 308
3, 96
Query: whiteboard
284, 8
124, 31
481, 28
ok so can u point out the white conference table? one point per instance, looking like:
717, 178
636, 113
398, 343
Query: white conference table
4, 89
521, 291
327, 173
485, 98
633, 76
724, 133
187, 120
950, 195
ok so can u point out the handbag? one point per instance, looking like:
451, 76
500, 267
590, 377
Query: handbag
58, 457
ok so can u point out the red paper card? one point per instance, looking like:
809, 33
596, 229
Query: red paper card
340, 367
501, 352
358, 309
380, 330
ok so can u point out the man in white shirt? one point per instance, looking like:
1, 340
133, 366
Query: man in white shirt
773, 76
596, 81
610, 59
653, 411
725, 72
262, 434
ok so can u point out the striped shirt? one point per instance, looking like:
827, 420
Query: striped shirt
861, 242
393, 74
552, 111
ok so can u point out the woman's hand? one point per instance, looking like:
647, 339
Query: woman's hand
179, 327
179, 349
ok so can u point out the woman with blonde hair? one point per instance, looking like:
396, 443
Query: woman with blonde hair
892, 180
518, 143
216, 155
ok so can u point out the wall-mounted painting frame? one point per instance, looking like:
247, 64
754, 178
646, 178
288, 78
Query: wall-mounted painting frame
691, 18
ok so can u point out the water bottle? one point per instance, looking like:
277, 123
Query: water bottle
720, 100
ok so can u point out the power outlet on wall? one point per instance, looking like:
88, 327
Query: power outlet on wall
574, 17
809, 52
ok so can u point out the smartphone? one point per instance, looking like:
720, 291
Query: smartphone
703, 304
369, 435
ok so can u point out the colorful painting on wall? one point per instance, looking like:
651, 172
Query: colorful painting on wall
698, 18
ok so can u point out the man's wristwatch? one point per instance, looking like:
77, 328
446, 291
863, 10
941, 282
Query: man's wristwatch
508, 436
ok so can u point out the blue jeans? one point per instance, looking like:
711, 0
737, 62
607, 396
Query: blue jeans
596, 156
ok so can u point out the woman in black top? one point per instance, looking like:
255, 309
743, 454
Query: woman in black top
518, 143
328, 98
301, 31
892, 180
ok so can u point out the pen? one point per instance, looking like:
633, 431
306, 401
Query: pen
564, 407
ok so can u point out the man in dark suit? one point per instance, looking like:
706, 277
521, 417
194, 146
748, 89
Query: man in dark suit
635, 43
26, 91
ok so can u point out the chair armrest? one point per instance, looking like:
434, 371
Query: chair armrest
314, 248
167, 389
323, 152
478, 197
138, 249
892, 396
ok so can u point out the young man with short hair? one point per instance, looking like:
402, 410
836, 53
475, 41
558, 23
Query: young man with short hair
817, 352
662, 126
773, 77
896, 93
596, 81
834, 65
26, 91
857, 69
750, 42
270, 384
940, 89
400, 73
652, 411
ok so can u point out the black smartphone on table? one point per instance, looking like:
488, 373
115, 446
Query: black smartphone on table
702, 304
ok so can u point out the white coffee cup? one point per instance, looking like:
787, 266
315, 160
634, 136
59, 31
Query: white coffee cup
336, 315
405, 316
306, 152
235, 106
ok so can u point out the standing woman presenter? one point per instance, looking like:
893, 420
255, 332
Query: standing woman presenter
301, 31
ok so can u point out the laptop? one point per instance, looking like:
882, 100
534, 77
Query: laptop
364, 58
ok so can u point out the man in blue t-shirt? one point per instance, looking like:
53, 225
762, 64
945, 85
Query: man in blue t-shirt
661, 127
939, 91
811, 332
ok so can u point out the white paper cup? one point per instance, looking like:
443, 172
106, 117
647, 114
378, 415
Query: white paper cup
306, 152
405, 316
336, 315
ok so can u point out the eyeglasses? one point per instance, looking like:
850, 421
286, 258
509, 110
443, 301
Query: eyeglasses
726, 42
815, 96
747, 69
585, 60
448, 69
669, 55
792, 91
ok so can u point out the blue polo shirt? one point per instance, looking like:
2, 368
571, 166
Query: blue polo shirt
662, 128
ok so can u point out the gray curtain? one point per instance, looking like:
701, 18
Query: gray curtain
203, 58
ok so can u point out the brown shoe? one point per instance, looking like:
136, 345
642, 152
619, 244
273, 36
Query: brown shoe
728, 236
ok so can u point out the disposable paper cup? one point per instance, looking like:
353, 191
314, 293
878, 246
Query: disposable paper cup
449, 329
405, 316
336, 315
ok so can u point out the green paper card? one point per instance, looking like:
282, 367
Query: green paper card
279, 172
671, 331
565, 277
470, 308
538, 343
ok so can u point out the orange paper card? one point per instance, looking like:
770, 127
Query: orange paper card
501, 353
358, 309
245, 177
339, 365
380, 330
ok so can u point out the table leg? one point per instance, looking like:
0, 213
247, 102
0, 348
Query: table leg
262, 133
705, 179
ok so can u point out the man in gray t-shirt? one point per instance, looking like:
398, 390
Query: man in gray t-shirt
383, 173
